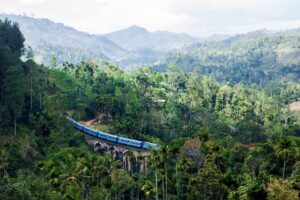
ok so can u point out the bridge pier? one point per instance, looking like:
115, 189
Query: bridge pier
125, 154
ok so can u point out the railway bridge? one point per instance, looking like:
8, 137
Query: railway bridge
132, 153
132, 159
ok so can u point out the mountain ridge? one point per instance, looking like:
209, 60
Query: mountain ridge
135, 46
50, 38
143, 39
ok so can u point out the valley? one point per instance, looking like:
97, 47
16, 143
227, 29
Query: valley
218, 117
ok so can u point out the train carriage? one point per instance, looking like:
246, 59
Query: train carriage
130, 142
113, 138
148, 145
90, 131
78, 126
102, 135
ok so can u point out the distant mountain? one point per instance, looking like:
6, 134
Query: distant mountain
254, 57
65, 43
218, 37
135, 38
147, 47
131, 48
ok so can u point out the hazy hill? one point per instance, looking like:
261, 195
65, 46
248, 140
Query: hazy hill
136, 38
254, 57
147, 47
67, 44
131, 48
218, 37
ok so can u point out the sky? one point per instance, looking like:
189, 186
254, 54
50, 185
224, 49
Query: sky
198, 18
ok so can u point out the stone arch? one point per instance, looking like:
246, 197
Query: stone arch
136, 163
97, 146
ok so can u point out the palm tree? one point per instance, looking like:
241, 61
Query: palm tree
148, 189
96, 170
74, 173
185, 164
99, 169
155, 161
83, 173
173, 154
69, 172
165, 156
286, 149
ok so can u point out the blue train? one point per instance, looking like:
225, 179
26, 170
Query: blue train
113, 138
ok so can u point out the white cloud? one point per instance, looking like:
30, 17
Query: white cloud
196, 17
32, 2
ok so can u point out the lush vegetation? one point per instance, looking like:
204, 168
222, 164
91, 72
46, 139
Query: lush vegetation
217, 141
256, 57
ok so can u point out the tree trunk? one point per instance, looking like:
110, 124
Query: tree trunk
31, 93
63, 136
131, 194
1, 94
163, 189
166, 172
156, 185
219, 168
15, 124
40, 100
176, 172
283, 170
138, 193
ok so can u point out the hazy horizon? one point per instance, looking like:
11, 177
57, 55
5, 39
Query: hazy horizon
196, 18
132, 25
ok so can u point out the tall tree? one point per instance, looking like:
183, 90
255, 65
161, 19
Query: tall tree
14, 90
286, 149
155, 161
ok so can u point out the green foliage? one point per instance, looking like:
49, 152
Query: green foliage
257, 57
207, 184
281, 189
217, 141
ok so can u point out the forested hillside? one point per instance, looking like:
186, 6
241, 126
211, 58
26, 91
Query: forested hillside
49, 39
131, 48
217, 141
148, 47
256, 57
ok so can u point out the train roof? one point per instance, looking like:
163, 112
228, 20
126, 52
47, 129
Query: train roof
90, 128
130, 139
107, 134
71, 119
151, 143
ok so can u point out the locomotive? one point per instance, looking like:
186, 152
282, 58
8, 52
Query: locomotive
112, 138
